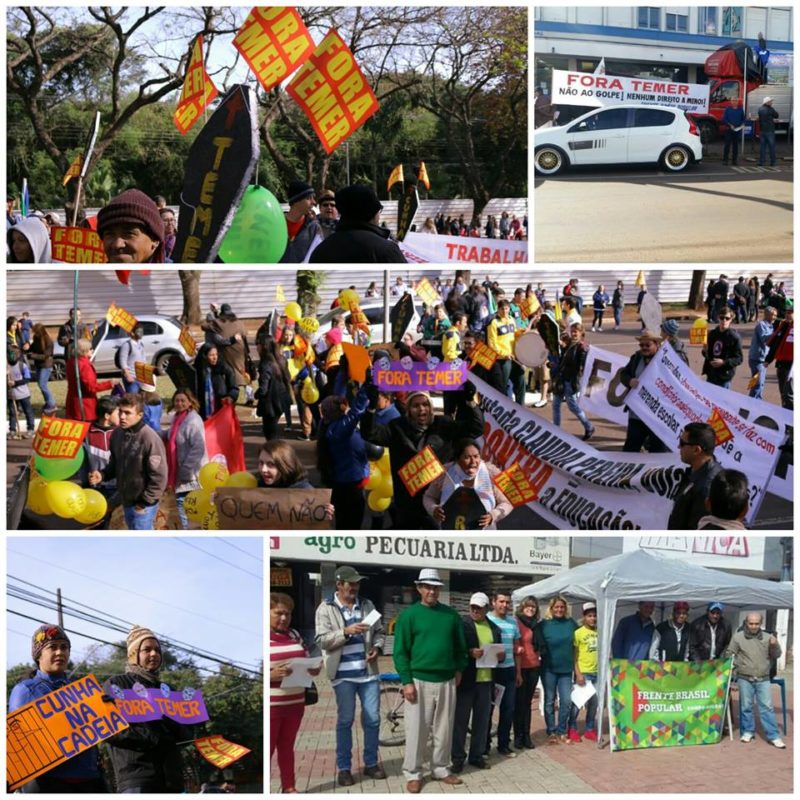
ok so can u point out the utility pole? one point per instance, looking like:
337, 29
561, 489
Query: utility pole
60, 609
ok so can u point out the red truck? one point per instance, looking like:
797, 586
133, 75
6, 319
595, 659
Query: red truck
726, 69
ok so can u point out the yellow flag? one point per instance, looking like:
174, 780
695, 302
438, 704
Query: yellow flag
557, 310
280, 295
422, 176
395, 177
74, 169
639, 278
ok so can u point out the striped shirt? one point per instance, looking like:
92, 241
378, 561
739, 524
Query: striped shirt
283, 646
353, 664
509, 633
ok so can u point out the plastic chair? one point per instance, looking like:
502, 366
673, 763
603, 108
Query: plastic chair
782, 683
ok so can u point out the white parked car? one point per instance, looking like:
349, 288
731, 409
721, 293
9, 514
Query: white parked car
373, 309
625, 134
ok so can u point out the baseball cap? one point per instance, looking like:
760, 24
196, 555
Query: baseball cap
589, 605
681, 605
348, 574
430, 576
479, 599
716, 606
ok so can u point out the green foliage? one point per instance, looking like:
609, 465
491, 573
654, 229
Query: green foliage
308, 281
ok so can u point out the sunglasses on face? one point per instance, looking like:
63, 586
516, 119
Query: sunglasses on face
328, 203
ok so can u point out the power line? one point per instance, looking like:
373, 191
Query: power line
240, 549
219, 558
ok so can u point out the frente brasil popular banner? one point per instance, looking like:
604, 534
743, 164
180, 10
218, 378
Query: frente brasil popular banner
667, 704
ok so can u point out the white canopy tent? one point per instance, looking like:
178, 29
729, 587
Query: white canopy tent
640, 575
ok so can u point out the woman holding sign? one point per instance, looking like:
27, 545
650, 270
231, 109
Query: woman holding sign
85, 407
145, 755
50, 650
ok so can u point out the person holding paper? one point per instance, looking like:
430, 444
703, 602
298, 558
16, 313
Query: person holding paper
131, 351
733, 117
585, 647
50, 650
286, 706
474, 693
529, 663
351, 643
145, 756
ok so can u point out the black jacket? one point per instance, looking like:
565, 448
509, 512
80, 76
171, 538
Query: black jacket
570, 368
668, 647
273, 392
297, 249
725, 345
145, 756
700, 639
691, 496
223, 381
471, 635
357, 243
139, 463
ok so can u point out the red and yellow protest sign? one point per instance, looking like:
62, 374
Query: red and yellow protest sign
116, 315
482, 356
59, 438
528, 306
77, 246
145, 373
332, 91
57, 727
219, 751
198, 90
187, 341
514, 484
273, 41
426, 292
721, 429
74, 169
698, 333
420, 470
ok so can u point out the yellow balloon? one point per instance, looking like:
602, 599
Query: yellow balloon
213, 475
243, 480
293, 311
295, 365
348, 297
383, 461
378, 503
210, 521
310, 393
309, 325
37, 497
96, 507
385, 488
66, 499
197, 504
375, 476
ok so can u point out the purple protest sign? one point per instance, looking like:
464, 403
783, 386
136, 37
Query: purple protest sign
145, 705
407, 375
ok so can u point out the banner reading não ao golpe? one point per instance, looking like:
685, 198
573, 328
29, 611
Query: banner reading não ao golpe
666, 704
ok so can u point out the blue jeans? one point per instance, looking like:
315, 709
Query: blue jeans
766, 140
140, 521
506, 676
618, 317
180, 499
572, 404
370, 696
131, 387
761, 692
591, 707
761, 368
41, 381
561, 683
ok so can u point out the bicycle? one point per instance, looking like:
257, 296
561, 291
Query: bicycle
392, 730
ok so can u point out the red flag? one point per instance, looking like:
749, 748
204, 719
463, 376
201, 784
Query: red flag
224, 437
124, 275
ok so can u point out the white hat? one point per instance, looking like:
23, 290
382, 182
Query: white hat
479, 599
430, 576
767, 100
590, 605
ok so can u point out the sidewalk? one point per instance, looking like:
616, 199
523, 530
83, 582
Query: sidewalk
577, 768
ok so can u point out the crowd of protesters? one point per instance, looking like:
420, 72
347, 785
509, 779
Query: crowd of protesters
450, 668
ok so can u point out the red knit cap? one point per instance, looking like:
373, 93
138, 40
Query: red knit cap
134, 207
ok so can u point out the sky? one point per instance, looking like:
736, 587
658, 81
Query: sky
212, 599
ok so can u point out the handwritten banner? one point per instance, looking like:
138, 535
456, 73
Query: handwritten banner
198, 90
482, 356
514, 484
273, 41
118, 316
57, 727
219, 751
332, 91
77, 246
141, 704
406, 375
187, 342
420, 470
145, 373
271, 509
59, 438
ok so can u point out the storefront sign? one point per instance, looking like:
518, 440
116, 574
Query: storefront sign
669, 703
587, 89
722, 552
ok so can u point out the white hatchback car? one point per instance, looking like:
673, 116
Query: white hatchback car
629, 133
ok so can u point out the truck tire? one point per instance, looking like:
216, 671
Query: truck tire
676, 158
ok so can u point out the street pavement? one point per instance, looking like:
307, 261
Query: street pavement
727, 767
710, 213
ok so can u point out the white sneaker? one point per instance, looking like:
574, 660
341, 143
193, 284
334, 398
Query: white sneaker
540, 404
778, 743
748, 737
592, 328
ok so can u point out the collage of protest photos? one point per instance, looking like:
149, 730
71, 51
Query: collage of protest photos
488, 484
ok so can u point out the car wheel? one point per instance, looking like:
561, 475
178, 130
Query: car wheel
676, 158
162, 361
59, 372
549, 160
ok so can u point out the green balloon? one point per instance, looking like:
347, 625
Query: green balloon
58, 469
258, 232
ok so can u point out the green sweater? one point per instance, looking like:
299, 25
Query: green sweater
429, 644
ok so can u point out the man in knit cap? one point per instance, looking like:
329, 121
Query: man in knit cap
145, 756
50, 650
132, 229
302, 226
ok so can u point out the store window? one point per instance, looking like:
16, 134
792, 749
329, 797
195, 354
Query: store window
732, 20
678, 23
707, 20
649, 17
